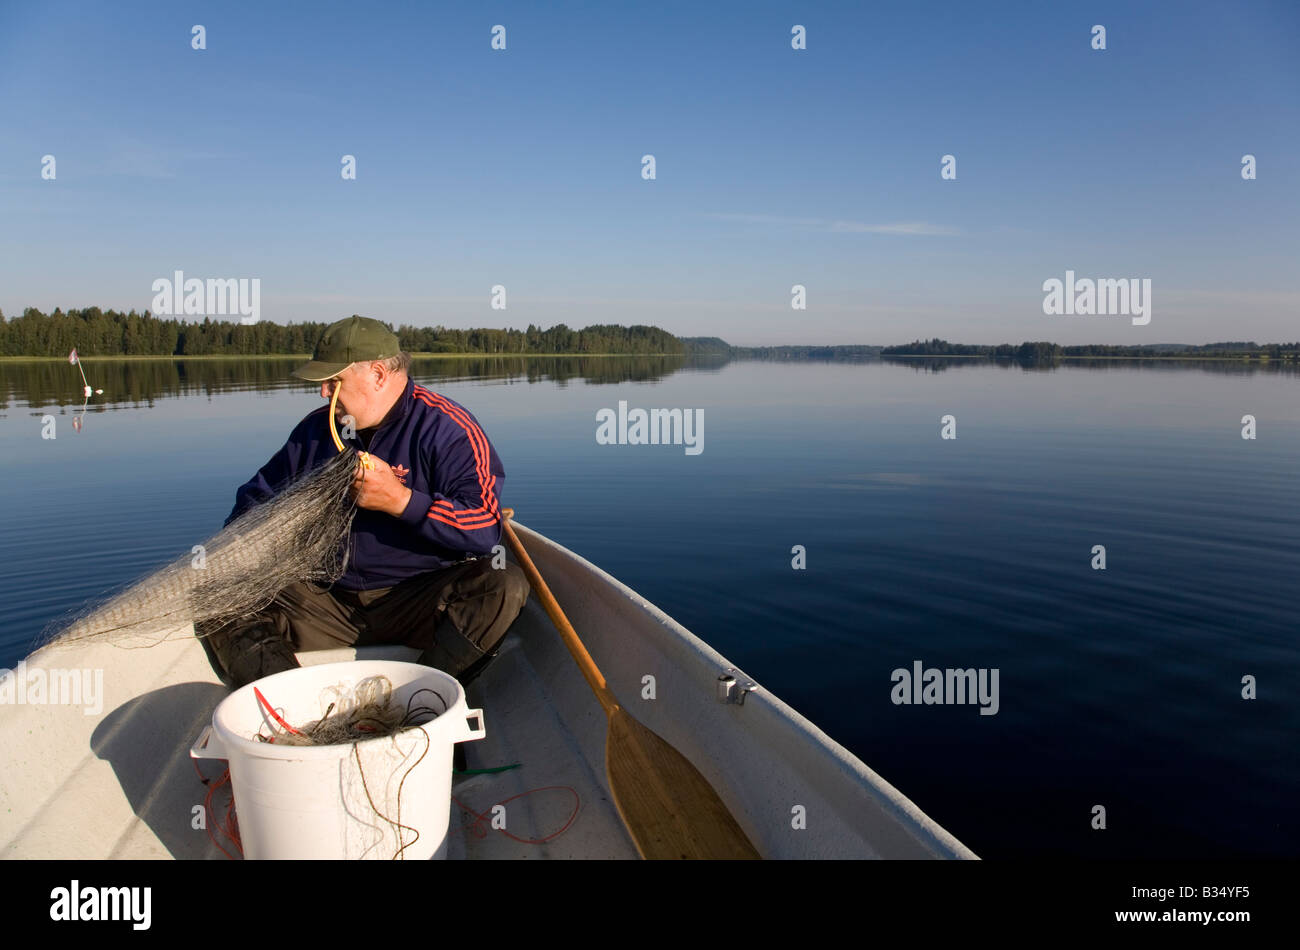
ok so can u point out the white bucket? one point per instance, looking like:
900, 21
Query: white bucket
362, 800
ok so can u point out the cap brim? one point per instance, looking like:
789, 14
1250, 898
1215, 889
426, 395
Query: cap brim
317, 372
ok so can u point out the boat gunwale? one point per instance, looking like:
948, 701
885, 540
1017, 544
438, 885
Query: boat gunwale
801, 732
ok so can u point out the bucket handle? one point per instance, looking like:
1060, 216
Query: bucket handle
473, 732
207, 746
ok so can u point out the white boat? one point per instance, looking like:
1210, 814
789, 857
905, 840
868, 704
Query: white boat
118, 782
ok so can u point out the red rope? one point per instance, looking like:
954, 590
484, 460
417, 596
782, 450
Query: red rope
479, 818
228, 826
274, 715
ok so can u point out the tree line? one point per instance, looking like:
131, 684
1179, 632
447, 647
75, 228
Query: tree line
1039, 351
96, 332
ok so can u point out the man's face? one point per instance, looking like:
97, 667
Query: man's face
359, 387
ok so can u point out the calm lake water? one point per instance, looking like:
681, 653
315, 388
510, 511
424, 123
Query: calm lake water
1119, 687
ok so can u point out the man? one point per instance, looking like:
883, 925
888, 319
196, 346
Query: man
427, 512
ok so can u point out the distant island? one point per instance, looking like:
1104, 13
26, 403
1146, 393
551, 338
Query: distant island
108, 333
1040, 351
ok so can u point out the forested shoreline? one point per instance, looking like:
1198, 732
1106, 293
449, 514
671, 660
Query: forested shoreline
113, 333
1045, 351
95, 332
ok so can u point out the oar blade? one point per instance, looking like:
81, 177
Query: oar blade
669, 808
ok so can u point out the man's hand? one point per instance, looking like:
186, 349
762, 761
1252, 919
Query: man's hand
378, 489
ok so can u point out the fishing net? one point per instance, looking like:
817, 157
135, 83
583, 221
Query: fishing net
301, 534
357, 713
354, 714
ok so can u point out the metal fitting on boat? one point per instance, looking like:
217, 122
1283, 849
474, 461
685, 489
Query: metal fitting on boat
733, 685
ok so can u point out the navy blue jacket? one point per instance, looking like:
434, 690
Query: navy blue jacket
436, 449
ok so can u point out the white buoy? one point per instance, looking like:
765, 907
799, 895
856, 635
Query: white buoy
99, 392
88, 391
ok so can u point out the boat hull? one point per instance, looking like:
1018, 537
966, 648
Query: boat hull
118, 783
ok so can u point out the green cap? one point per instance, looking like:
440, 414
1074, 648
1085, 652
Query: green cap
352, 340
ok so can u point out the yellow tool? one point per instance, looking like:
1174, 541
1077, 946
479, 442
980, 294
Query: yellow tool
367, 463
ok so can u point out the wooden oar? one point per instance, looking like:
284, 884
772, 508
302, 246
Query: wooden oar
669, 808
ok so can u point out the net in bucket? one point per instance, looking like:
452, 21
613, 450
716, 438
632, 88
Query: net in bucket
381, 798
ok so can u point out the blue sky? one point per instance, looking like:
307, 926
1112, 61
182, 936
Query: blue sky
522, 167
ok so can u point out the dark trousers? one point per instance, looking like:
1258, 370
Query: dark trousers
456, 617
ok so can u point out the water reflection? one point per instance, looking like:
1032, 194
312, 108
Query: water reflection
939, 364
37, 384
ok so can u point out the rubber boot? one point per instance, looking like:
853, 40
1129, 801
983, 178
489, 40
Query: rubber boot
253, 651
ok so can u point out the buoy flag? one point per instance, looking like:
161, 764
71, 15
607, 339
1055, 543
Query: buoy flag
72, 357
